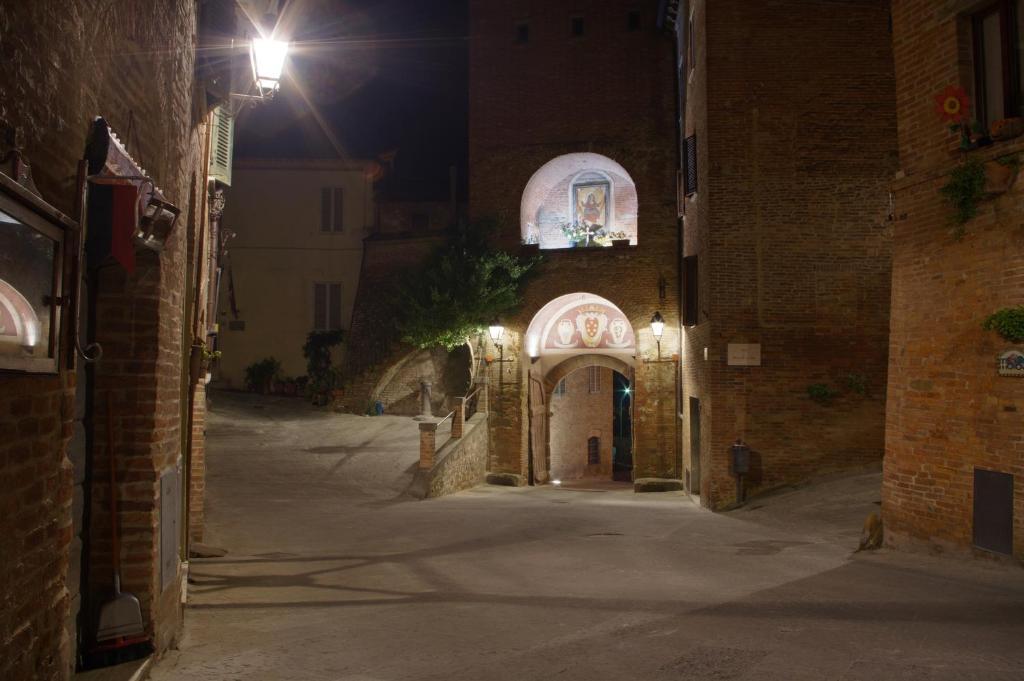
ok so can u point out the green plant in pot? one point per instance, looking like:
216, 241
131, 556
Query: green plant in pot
964, 192
1008, 323
322, 376
260, 376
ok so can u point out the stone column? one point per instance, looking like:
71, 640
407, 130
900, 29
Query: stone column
425, 409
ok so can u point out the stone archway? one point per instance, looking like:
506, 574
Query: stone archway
571, 332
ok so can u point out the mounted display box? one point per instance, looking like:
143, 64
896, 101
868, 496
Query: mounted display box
33, 238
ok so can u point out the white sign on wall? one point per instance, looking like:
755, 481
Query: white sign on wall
1011, 363
744, 354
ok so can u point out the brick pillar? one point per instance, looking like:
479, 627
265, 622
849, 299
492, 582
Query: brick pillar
459, 417
428, 441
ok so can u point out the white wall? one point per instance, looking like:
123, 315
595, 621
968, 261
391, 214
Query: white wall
280, 252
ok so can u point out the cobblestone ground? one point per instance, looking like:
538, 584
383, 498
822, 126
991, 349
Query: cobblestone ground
333, 574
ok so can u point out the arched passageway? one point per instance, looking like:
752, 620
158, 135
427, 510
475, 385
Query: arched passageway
580, 414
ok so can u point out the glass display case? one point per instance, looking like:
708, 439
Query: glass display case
32, 241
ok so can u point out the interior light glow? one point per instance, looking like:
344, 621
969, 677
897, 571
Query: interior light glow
556, 482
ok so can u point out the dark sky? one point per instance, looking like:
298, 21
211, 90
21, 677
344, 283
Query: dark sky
377, 76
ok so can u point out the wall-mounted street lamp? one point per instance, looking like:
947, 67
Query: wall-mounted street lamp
658, 330
267, 56
496, 331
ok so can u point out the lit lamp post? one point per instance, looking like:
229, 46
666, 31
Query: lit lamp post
657, 329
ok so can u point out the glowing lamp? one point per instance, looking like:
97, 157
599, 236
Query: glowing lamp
657, 325
496, 331
267, 63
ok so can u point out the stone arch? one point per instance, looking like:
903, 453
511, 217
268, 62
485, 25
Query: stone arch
549, 196
600, 335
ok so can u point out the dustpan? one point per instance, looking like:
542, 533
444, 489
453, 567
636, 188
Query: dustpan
121, 616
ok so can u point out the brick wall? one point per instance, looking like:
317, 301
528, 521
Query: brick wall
558, 94
796, 140
459, 464
133, 64
577, 416
399, 388
948, 410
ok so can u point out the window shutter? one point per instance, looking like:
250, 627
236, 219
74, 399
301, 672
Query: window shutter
334, 307
339, 212
593, 451
690, 300
319, 307
595, 379
325, 209
691, 165
222, 136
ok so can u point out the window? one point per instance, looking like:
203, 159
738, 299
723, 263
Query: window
691, 312
326, 306
691, 165
996, 32
31, 266
522, 33
595, 380
576, 26
560, 389
633, 20
331, 209
593, 451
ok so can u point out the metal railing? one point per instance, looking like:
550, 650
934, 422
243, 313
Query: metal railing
465, 408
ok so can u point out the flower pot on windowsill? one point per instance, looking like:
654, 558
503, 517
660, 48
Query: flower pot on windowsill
998, 177
1007, 128
620, 243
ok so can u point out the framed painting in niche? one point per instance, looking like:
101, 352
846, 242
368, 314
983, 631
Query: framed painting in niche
590, 203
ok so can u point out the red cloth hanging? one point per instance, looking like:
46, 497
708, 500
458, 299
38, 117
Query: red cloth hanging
124, 222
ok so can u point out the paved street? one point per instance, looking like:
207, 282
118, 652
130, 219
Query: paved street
332, 573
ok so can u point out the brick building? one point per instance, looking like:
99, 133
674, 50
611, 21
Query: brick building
135, 65
954, 460
572, 140
789, 145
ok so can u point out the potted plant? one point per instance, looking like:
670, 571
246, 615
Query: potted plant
1007, 128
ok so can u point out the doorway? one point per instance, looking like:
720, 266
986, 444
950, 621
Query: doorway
590, 424
693, 485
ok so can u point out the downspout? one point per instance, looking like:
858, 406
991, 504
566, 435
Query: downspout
682, 17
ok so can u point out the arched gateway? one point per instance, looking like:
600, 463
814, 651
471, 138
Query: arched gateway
582, 350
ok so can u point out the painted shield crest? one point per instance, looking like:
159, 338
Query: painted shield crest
591, 324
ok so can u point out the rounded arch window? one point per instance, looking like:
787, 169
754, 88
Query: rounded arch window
579, 200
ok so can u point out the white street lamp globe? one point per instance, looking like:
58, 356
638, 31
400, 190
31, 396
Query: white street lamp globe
268, 62
496, 331
657, 325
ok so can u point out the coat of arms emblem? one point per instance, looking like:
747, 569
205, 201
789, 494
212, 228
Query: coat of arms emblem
591, 322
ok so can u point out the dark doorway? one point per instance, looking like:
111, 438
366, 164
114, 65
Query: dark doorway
993, 511
622, 429
694, 476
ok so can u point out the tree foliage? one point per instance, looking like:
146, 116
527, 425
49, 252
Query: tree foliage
460, 288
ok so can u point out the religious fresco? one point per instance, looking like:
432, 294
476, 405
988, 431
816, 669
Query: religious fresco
589, 327
590, 202
579, 200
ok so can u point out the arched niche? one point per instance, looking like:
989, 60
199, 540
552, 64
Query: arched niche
591, 192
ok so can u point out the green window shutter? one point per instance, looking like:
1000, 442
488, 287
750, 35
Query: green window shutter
222, 141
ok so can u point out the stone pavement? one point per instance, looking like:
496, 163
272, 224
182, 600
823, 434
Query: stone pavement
333, 574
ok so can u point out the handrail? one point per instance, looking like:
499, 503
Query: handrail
450, 414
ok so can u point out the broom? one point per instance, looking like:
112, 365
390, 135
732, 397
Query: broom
121, 634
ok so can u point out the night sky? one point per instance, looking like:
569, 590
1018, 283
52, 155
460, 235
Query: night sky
369, 77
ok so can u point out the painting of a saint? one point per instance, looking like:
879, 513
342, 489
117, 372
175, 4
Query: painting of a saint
591, 203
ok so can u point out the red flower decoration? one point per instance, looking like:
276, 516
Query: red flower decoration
953, 105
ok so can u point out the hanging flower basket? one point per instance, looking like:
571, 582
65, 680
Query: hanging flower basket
1007, 128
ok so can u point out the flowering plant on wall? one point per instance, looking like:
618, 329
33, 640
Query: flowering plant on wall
953, 105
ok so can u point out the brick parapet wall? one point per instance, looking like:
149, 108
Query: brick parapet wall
790, 224
948, 410
459, 464
133, 64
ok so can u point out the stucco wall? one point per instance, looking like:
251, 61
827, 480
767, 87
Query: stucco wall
278, 255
